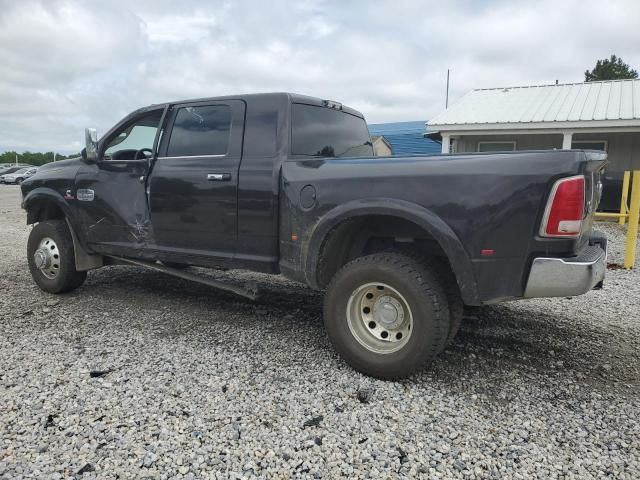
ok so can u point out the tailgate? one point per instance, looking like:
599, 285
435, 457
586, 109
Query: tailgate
593, 172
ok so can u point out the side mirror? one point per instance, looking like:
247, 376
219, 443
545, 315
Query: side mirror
90, 152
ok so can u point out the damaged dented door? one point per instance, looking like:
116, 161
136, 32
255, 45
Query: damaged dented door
110, 195
193, 185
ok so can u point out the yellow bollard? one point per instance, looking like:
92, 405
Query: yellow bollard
624, 197
632, 229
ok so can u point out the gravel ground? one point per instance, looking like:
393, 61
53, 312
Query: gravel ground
141, 375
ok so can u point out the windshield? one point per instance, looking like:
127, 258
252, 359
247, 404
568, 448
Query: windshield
22, 170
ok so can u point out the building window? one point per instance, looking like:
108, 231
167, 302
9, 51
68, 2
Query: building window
496, 146
590, 145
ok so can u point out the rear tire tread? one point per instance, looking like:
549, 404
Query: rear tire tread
450, 286
429, 289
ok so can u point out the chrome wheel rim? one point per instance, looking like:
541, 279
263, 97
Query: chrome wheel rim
379, 318
47, 258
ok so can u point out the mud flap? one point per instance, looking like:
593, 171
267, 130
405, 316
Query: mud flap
599, 239
84, 260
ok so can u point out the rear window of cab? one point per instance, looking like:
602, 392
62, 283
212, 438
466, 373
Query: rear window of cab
326, 132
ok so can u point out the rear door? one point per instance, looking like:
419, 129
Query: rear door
194, 182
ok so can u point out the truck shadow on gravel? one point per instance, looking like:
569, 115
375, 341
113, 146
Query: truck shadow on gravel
275, 291
493, 342
506, 336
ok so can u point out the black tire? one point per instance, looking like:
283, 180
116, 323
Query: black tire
454, 299
449, 284
424, 296
67, 277
19, 181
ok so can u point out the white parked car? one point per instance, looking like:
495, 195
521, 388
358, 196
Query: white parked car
18, 176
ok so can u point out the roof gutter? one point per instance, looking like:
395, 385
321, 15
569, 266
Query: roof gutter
634, 125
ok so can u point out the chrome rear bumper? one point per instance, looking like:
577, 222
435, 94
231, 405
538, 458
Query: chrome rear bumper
567, 277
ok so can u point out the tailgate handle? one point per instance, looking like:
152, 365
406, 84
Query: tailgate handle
219, 177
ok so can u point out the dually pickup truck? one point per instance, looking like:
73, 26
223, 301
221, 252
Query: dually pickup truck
289, 184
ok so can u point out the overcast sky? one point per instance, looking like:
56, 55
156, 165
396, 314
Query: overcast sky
65, 65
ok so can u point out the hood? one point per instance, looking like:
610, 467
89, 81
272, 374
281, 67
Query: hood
56, 175
61, 164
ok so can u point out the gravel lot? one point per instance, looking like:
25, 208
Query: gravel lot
141, 375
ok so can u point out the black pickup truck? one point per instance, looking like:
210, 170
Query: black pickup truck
288, 184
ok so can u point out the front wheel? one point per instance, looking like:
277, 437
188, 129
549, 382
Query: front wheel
51, 257
386, 314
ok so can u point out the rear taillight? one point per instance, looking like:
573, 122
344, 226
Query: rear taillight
565, 208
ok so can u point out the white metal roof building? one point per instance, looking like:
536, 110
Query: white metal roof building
600, 115
616, 103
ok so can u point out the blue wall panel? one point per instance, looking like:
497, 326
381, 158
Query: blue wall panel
406, 138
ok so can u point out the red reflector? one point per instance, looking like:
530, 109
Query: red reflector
487, 252
565, 209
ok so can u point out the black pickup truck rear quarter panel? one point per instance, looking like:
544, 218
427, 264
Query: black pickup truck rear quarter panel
475, 201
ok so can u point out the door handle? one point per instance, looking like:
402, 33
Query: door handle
219, 177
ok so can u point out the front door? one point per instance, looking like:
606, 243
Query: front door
110, 196
194, 181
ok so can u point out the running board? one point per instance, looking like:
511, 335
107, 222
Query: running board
249, 291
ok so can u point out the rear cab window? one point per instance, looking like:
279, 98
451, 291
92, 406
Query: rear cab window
326, 132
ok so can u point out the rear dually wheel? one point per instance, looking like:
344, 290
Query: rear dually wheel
386, 314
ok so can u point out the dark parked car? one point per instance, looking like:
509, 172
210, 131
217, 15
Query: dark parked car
283, 183
13, 168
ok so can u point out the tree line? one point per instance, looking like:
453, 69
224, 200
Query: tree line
612, 68
33, 158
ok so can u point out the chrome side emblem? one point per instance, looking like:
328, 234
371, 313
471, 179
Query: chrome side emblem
85, 194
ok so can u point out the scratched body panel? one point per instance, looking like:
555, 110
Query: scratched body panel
118, 213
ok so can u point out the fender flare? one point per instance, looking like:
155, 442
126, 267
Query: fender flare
424, 218
84, 259
45, 194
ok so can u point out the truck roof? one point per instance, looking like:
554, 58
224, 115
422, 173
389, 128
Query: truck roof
276, 96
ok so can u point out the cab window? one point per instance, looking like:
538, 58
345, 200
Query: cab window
200, 131
324, 132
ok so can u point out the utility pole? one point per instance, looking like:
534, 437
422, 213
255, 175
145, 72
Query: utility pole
446, 100
16, 159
